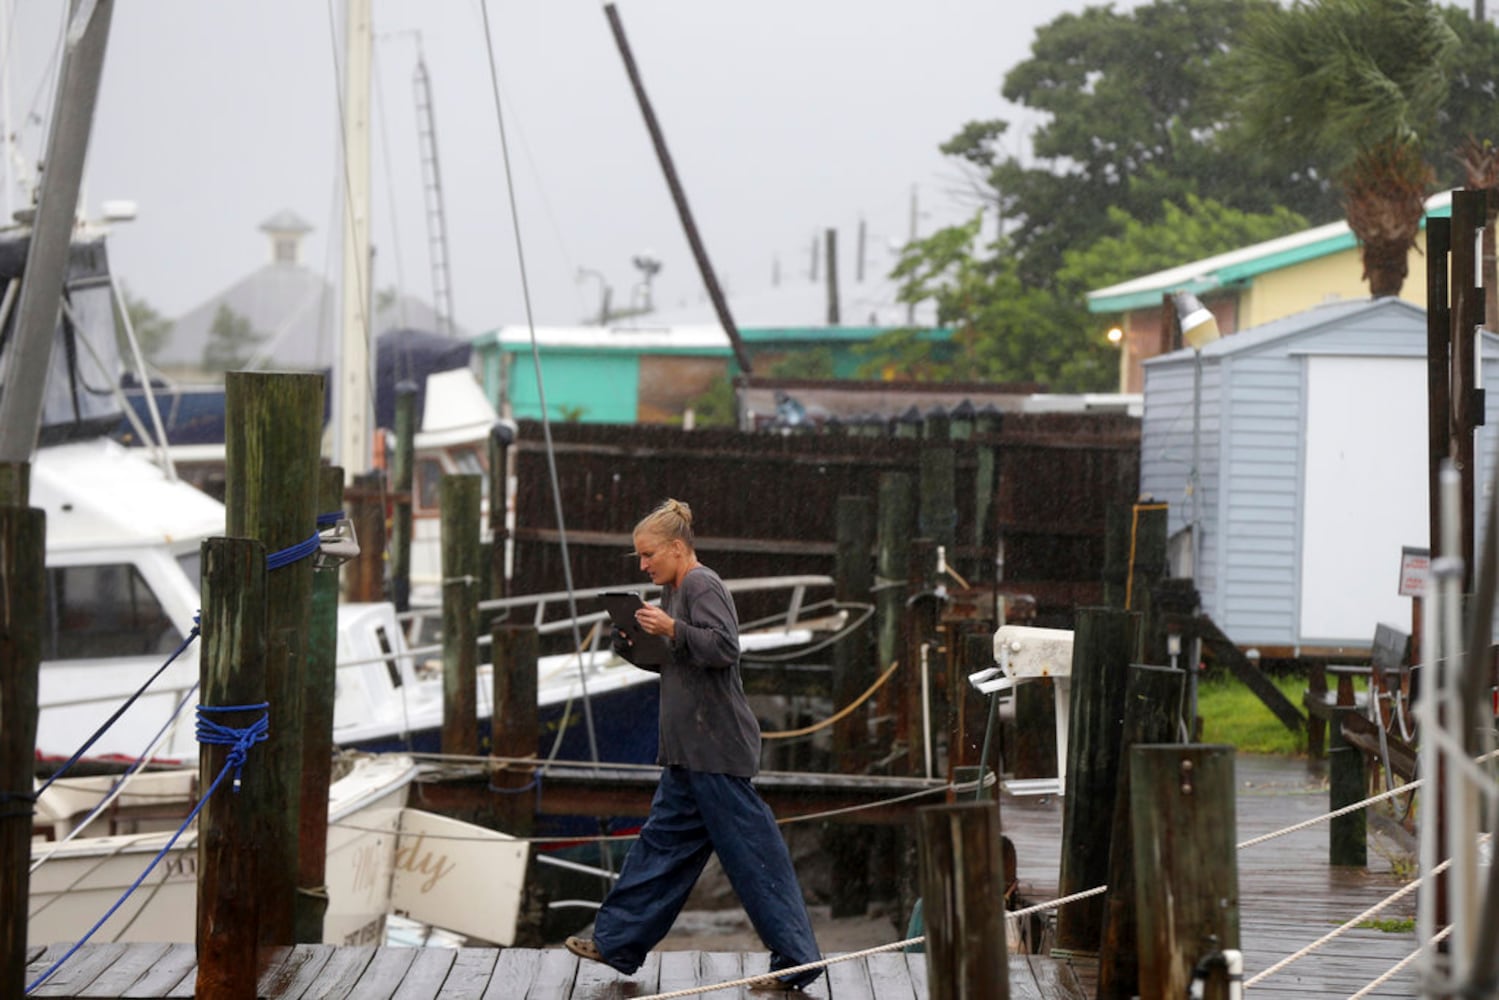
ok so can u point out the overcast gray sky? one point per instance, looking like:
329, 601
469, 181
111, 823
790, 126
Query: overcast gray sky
785, 117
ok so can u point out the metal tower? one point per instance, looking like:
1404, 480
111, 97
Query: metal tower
437, 228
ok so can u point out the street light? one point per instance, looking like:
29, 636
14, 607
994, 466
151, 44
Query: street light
1199, 328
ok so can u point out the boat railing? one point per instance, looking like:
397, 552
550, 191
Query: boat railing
539, 605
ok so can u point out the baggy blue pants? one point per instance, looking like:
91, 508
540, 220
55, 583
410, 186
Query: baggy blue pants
692, 815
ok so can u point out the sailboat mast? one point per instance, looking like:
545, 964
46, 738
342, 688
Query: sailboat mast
30, 353
351, 395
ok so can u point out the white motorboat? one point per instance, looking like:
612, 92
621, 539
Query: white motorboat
383, 857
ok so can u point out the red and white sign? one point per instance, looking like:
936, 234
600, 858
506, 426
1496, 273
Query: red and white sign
1415, 566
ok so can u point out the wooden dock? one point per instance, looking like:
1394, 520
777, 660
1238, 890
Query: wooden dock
1289, 896
326, 972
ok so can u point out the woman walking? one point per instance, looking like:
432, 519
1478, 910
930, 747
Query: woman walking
709, 751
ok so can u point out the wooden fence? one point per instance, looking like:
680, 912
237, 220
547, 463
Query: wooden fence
1027, 502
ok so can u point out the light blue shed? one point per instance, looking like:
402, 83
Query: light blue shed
1313, 457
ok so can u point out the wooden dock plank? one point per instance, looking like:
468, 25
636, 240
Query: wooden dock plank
338, 976
75, 975
295, 970
757, 963
553, 978
679, 971
513, 973
847, 980
124, 971
469, 976
600, 982
425, 975
890, 975
179, 962
721, 967
916, 966
382, 976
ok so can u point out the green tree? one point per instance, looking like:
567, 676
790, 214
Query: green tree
717, 406
231, 341
1131, 107
1357, 82
1200, 228
1468, 113
152, 329
1007, 331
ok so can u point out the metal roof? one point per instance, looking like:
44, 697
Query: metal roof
1237, 267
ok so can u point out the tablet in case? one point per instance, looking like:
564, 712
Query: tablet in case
645, 648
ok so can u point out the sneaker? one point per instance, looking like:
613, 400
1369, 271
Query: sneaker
584, 948
771, 984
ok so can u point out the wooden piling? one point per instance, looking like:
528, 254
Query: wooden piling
1115, 554
1032, 751
1151, 697
460, 613
917, 715
897, 517
232, 823
971, 714
501, 437
365, 576
15, 484
937, 516
853, 672
273, 432
317, 728
1105, 643
986, 424
516, 726
23, 533
1186, 866
962, 902
1347, 836
401, 468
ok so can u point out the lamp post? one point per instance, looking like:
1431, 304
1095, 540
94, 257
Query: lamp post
1199, 328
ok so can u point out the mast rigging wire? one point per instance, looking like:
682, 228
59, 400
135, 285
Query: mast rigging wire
546, 423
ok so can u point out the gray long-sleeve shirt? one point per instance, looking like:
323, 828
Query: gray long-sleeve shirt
706, 723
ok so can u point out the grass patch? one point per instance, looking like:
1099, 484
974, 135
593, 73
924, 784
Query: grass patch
1392, 925
1231, 713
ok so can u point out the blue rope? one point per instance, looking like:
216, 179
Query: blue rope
191, 635
241, 740
330, 519
293, 553
140, 761
535, 782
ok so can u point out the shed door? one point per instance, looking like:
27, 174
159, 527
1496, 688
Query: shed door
1364, 494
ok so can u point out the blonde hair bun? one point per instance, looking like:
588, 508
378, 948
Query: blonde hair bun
671, 520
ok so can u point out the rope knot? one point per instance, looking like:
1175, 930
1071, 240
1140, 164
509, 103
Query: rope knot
239, 741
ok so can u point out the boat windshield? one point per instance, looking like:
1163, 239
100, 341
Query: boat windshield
105, 610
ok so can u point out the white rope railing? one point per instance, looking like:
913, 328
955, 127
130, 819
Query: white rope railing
1395, 969
1346, 926
792, 971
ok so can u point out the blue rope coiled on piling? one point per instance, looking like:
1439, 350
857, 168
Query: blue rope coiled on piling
303, 549
240, 740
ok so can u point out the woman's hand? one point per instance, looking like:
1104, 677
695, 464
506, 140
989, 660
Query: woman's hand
656, 621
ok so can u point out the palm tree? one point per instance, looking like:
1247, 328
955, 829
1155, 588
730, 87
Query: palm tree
1351, 84
1480, 161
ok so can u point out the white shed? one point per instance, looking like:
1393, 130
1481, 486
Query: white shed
1312, 438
